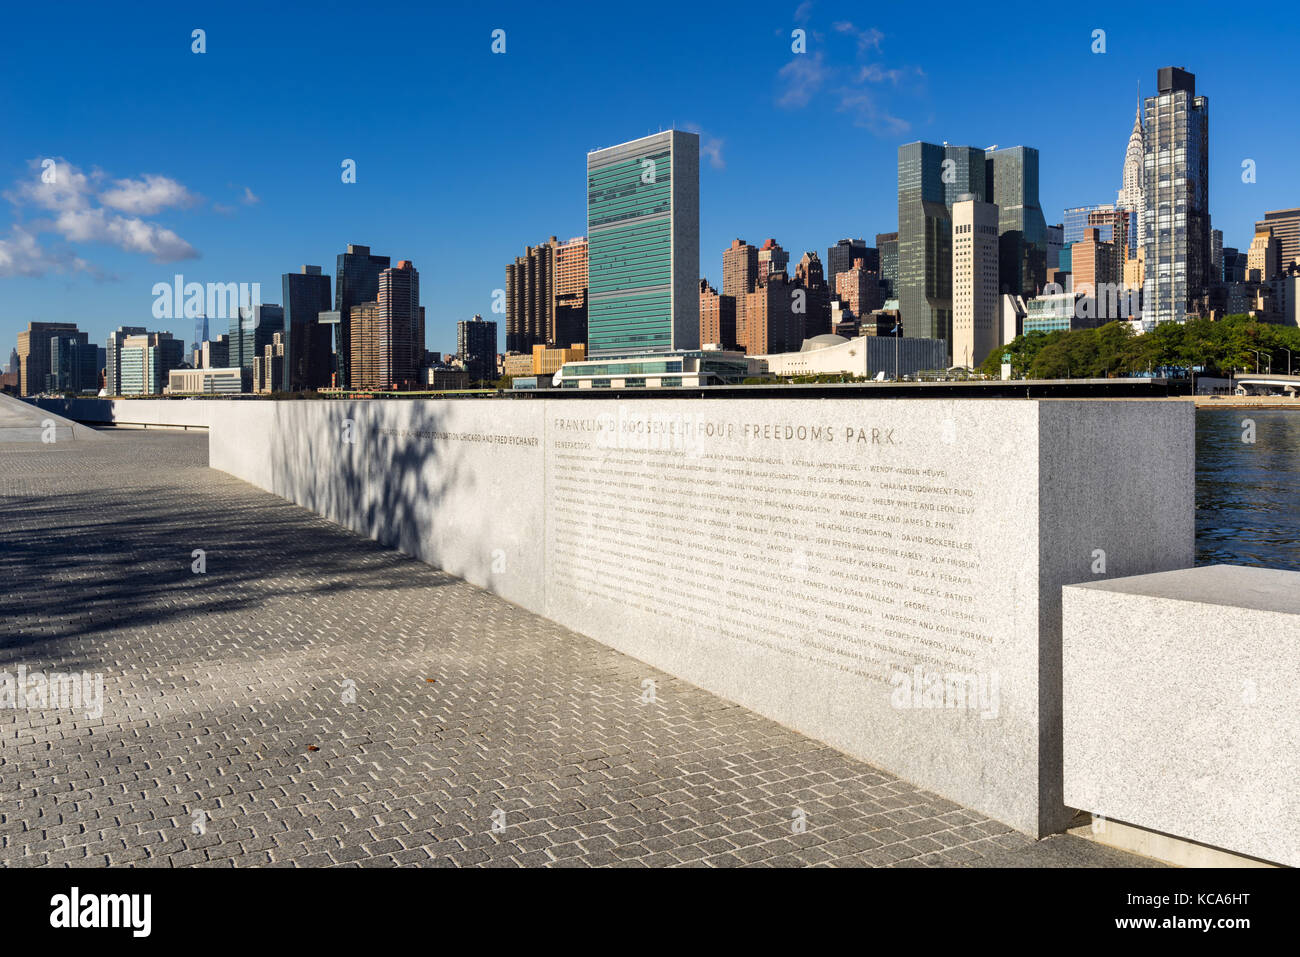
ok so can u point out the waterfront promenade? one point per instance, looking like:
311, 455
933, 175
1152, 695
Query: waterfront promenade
312, 698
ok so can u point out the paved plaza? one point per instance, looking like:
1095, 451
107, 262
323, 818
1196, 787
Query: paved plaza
312, 698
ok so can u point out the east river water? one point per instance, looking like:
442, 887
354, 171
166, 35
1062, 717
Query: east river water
1248, 494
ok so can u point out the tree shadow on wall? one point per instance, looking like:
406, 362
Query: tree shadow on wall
376, 467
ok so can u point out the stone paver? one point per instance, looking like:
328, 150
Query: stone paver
316, 699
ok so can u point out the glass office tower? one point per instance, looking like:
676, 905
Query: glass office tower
72, 364
306, 345
1012, 185
356, 281
643, 246
1076, 220
930, 178
887, 245
1176, 220
250, 333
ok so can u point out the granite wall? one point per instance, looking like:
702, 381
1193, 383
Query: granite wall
882, 575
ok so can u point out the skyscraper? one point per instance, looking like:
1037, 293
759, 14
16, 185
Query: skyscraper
643, 245
306, 342
476, 342
402, 316
34, 353
215, 353
858, 290
1096, 263
268, 368
816, 303
356, 281
1012, 185
546, 296
1132, 194
771, 259
717, 317
113, 357
771, 324
739, 274
1055, 240
369, 348
975, 271
251, 330
200, 332
842, 255
930, 178
1264, 257
145, 362
1234, 265
1286, 229
73, 365
569, 293
887, 247
387, 342
13, 362
530, 297
570, 266
1078, 219
739, 268
1112, 225
1176, 217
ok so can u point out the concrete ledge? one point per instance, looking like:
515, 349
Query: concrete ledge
1159, 847
27, 422
1179, 715
156, 427
142, 413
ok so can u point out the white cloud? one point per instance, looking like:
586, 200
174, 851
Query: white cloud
875, 73
144, 197
22, 255
862, 105
70, 196
68, 188
803, 76
853, 88
710, 146
868, 39
125, 232
250, 198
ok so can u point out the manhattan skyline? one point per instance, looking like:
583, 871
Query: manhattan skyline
234, 175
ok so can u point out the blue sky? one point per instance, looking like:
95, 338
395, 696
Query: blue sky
225, 166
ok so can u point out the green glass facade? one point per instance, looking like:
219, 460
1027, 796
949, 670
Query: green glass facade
930, 178
643, 245
1012, 184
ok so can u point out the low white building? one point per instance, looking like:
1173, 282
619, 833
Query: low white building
697, 367
865, 357
226, 381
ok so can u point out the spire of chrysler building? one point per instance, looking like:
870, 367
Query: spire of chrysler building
1131, 195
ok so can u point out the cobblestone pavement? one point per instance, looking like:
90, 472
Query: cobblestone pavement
316, 699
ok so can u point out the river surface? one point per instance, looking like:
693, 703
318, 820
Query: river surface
1248, 494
